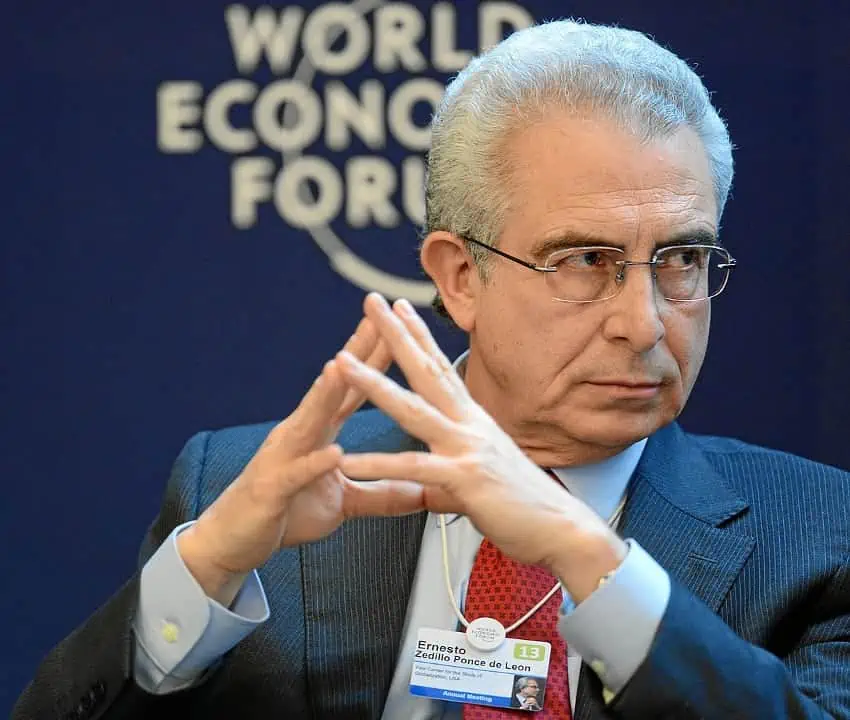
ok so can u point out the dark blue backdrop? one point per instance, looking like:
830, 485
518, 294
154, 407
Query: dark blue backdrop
135, 314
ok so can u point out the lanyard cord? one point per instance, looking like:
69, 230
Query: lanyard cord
612, 521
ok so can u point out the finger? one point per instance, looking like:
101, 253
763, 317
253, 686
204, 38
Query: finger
310, 425
437, 492
364, 340
380, 359
411, 411
421, 333
301, 471
308, 467
382, 498
313, 419
362, 344
432, 377
427, 469
396, 497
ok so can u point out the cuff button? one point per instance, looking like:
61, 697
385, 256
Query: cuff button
170, 633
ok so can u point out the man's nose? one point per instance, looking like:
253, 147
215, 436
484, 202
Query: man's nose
635, 317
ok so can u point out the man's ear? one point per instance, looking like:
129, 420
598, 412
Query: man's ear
449, 265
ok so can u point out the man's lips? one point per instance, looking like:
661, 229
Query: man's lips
641, 389
628, 382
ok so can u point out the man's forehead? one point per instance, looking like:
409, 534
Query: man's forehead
596, 179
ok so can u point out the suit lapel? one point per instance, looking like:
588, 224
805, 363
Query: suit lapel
356, 588
682, 512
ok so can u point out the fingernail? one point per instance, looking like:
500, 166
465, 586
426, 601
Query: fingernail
404, 306
346, 358
381, 301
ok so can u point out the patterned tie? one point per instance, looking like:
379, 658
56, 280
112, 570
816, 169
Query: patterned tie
506, 590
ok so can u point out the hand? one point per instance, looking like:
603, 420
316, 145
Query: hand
474, 468
291, 491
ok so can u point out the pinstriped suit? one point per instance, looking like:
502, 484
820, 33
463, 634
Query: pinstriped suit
757, 544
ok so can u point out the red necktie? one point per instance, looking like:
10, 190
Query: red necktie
506, 590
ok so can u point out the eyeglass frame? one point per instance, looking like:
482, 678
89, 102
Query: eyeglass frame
623, 264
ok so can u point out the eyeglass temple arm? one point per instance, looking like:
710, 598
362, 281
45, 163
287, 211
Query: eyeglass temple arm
530, 266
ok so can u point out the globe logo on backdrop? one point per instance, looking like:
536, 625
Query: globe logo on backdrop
291, 140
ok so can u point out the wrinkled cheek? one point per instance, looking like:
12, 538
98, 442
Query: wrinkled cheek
696, 351
541, 366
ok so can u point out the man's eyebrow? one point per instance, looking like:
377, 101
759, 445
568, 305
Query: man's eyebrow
570, 239
577, 239
697, 236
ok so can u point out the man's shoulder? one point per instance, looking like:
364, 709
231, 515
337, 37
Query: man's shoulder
749, 465
732, 448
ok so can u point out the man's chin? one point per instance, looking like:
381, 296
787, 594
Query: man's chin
578, 435
617, 428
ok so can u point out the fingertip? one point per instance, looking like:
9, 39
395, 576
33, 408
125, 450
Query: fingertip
351, 465
327, 457
350, 365
377, 304
330, 371
330, 383
404, 307
372, 299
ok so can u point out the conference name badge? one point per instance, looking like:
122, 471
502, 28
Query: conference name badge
447, 667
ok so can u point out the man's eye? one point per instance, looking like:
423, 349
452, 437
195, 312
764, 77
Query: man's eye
685, 258
584, 260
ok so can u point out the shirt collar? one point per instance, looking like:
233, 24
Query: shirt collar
601, 485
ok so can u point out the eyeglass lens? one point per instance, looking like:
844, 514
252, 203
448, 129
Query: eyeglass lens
687, 272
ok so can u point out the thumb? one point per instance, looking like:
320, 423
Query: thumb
303, 470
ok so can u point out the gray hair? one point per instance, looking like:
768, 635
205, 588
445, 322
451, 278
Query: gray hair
594, 70
522, 682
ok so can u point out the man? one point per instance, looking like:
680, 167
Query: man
526, 694
576, 182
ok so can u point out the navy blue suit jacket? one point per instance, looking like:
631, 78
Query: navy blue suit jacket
757, 544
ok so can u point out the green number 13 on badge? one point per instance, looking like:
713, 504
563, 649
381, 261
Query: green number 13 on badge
529, 651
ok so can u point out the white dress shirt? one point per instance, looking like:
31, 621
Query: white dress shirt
180, 632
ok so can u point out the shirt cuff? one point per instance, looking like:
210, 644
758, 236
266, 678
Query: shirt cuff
180, 632
614, 628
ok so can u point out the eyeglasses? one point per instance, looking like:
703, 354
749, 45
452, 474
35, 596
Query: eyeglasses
682, 273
